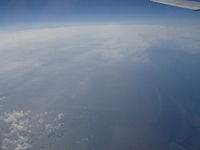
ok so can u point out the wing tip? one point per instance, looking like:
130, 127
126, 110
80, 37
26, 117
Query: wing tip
190, 8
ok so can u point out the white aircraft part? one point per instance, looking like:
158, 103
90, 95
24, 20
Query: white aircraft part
194, 5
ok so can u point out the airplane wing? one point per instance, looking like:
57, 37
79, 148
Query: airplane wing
194, 5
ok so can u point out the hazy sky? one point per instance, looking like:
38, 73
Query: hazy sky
58, 12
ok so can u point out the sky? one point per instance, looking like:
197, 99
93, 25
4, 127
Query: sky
61, 12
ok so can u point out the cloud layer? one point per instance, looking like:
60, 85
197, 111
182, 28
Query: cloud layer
81, 67
28, 49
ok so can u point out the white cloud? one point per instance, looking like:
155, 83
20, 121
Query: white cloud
37, 57
44, 54
28, 49
22, 127
60, 116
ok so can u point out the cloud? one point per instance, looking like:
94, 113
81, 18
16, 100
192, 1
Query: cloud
51, 51
40, 58
21, 128
60, 116
56, 62
28, 49
18, 127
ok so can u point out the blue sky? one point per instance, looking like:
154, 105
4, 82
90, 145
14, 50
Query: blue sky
58, 12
